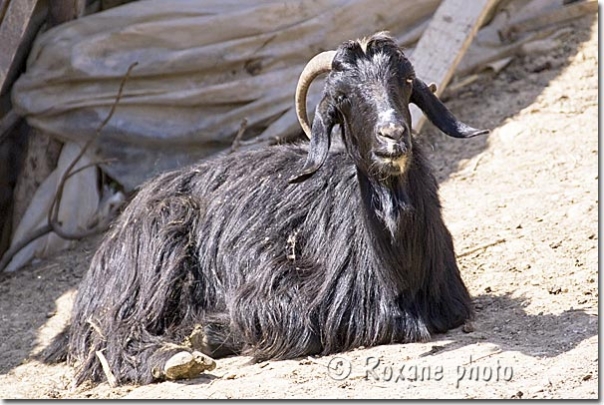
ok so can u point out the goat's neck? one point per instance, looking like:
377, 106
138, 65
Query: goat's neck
386, 204
389, 211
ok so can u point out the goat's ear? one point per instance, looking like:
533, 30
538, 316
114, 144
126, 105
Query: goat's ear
440, 115
320, 141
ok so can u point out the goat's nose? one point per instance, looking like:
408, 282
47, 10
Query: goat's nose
391, 131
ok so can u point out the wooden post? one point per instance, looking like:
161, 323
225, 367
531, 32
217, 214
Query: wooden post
444, 43
18, 27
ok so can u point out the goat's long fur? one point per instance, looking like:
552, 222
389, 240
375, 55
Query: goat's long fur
267, 267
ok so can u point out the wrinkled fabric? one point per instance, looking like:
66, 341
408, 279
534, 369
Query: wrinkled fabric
203, 67
79, 203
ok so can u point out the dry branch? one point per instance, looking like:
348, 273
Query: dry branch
53, 224
53, 213
479, 248
237, 141
106, 369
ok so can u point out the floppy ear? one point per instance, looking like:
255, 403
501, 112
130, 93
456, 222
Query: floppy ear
320, 141
439, 115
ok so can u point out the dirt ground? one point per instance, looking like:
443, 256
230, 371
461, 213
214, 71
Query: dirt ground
522, 205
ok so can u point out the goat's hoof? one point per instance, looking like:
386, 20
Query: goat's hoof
185, 365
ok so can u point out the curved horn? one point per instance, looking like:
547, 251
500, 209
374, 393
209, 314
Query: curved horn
320, 63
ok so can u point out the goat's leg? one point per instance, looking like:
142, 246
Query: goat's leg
137, 357
140, 296
215, 337
271, 314
452, 308
445, 299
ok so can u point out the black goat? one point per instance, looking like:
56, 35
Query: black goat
289, 251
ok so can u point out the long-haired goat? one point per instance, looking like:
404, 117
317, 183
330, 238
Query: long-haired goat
289, 251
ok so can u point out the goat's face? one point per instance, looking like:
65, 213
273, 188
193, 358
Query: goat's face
370, 85
367, 92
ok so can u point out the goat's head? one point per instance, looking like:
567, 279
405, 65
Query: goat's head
367, 92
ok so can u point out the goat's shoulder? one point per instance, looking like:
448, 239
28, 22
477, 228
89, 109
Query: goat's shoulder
272, 160
249, 168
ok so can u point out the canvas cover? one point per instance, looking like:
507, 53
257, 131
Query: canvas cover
203, 67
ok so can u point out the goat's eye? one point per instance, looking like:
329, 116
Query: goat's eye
341, 98
409, 80
337, 65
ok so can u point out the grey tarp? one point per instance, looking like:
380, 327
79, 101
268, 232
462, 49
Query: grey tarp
203, 67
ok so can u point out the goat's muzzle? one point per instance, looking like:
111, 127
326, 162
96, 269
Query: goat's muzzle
391, 132
392, 148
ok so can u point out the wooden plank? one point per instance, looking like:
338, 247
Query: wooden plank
3, 8
18, 28
444, 43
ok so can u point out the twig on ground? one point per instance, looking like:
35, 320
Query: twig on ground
314, 361
482, 357
476, 249
433, 350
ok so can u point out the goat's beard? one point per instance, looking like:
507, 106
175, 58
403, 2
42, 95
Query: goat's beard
387, 199
383, 168
400, 163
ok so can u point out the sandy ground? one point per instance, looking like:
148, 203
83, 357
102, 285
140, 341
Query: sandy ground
522, 205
